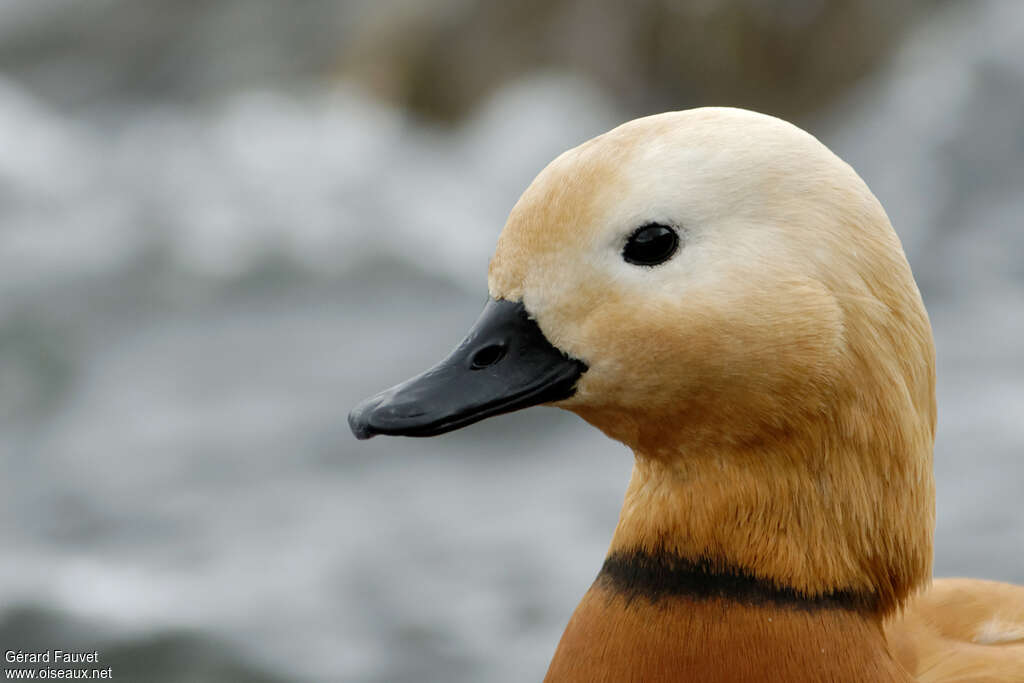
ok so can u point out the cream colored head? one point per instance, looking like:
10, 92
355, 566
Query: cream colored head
775, 377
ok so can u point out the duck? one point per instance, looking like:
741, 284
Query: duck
718, 291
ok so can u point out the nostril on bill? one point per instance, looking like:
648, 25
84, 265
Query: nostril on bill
487, 356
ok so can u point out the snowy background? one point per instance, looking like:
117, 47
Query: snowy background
223, 224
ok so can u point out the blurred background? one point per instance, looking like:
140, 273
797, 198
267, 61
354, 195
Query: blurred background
223, 223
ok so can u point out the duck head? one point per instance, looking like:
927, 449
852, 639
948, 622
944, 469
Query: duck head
718, 291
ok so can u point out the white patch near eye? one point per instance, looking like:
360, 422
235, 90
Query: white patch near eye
997, 631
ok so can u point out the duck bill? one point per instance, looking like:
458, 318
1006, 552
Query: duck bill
505, 363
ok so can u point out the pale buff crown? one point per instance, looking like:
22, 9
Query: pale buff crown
775, 378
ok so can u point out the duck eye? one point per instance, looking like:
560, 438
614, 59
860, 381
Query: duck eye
650, 245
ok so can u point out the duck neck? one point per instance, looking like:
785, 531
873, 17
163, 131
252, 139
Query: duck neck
718, 572
812, 530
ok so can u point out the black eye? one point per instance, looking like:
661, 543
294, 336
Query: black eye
650, 245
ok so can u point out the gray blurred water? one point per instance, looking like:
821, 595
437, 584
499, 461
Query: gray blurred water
193, 296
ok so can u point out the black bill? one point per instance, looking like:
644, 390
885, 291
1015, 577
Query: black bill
505, 363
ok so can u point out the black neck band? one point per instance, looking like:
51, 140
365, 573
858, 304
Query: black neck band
660, 575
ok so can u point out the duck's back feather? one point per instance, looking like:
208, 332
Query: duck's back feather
962, 630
